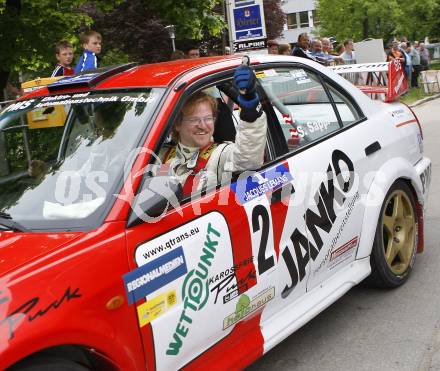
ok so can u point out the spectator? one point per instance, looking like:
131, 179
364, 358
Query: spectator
316, 48
424, 57
349, 56
340, 49
12, 91
318, 54
193, 53
387, 50
327, 46
408, 63
396, 53
91, 42
327, 49
416, 66
64, 56
177, 54
227, 50
302, 48
284, 49
272, 47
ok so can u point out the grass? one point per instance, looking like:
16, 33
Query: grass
435, 65
414, 94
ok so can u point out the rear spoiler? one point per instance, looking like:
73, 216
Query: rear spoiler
385, 81
39, 82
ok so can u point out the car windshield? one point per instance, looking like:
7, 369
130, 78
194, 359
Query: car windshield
61, 156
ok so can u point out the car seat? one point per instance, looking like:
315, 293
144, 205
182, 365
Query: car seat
224, 130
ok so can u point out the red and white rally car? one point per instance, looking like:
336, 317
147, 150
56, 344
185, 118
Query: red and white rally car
103, 265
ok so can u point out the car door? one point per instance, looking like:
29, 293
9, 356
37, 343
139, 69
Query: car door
202, 274
326, 139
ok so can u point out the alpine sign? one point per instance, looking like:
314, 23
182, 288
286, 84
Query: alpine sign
246, 24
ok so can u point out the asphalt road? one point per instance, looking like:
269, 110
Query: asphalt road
370, 329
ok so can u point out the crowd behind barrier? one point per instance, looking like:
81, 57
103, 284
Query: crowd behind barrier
415, 57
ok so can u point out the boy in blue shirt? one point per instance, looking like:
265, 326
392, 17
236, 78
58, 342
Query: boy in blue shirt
91, 42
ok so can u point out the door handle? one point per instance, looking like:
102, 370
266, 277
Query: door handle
373, 147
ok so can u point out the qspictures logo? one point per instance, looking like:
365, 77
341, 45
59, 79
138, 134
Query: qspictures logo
195, 290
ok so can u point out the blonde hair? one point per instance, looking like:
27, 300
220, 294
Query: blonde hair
87, 35
195, 100
283, 48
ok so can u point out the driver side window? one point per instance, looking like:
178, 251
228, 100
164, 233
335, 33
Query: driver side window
207, 142
301, 104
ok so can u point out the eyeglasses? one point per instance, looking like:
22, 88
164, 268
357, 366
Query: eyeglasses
193, 121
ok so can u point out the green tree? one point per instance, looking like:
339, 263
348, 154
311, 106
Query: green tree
191, 17
420, 19
137, 27
29, 29
361, 19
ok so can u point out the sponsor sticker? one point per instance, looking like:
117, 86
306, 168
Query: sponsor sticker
258, 184
266, 73
75, 79
195, 290
154, 275
343, 252
425, 179
227, 285
155, 307
245, 307
300, 76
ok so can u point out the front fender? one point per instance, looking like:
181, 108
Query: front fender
73, 295
392, 170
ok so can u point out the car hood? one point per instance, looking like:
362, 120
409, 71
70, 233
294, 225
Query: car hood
17, 249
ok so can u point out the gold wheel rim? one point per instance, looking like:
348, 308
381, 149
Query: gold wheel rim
399, 231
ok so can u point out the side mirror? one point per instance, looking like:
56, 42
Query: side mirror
156, 196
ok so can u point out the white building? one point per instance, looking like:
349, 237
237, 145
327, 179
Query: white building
301, 17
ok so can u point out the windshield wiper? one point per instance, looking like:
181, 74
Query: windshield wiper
6, 223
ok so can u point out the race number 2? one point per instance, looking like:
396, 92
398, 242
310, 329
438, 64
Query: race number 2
261, 220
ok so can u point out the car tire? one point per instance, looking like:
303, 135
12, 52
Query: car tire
395, 242
45, 363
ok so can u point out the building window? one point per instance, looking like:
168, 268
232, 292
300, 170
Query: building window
292, 22
304, 19
316, 20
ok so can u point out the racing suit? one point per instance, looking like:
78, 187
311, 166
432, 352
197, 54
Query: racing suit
200, 169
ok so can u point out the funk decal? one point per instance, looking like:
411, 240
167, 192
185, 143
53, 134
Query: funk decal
195, 290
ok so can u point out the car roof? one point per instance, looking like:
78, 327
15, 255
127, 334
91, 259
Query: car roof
161, 74
164, 73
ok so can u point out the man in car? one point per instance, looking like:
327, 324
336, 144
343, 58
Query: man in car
196, 160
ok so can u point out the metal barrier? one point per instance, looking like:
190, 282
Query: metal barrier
431, 81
